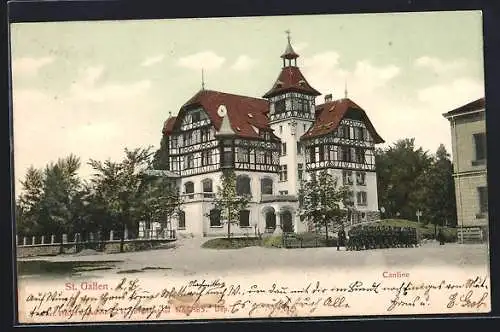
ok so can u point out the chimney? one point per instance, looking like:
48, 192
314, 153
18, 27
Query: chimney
328, 98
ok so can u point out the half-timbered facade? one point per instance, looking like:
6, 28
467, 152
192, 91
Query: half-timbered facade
272, 143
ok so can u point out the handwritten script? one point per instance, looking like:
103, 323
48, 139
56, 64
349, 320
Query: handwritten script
128, 299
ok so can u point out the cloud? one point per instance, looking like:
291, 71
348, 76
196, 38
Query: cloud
243, 63
300, 46
152, 60
206, 60
371, 87
95, 118
451, 95
29, 66
323, 71
439, 66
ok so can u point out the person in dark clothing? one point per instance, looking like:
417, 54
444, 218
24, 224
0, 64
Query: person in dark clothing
341, 238
440, 237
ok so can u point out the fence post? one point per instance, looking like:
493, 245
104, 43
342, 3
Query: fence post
52, 239
125, 234
33, 240
17, 240
111, 235
91, 237
42, 240
65, 238
25, 240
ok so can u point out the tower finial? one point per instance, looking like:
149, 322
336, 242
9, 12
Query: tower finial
202, 79
345, 89
288, 35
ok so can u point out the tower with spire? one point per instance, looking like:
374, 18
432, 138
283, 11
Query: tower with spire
291, 113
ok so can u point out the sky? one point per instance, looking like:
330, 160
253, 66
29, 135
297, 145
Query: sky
95, 88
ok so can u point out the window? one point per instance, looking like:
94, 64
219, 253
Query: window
260, 157
283, 192
300, 171
283, 149
346, 154
480, 145
188, 161
283, 173
347, 177
207, 188
174, 142
227, 156
321, 152
175, 164
215, 218
483, 199
359, 133
205, 134
189, 189
360, 155
361, 197
188, 139
266, 186
279, 106
244, 218
243, 155
312, 154
181, 220
299, 148
243, 185
206, 158
361, 178
268, 156
345, 131
196, 116
305, 127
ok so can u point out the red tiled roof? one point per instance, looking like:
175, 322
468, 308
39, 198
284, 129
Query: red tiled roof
475, 105
243, 112
330, 114
291, 79
168, 126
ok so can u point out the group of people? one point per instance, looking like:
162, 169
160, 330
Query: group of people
377, 237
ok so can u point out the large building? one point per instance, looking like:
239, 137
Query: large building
272, 143
468, 137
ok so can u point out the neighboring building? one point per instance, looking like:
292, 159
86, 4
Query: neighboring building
468, 136
271, 143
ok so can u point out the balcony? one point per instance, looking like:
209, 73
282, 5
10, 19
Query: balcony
278, 198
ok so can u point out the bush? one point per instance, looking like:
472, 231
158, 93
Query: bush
232, 243
449, 235
272, 242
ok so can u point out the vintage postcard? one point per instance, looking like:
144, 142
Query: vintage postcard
257, 167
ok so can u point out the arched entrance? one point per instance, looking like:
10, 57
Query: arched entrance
286, 221
270, 217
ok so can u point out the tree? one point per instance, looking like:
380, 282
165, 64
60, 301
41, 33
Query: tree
119, 187
436, 194
160, 159
322, 201
48, 202
228, 202
400, 168
28, 203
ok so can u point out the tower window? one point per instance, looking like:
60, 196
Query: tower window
283, 149
279, 106
283, 173
189, 189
